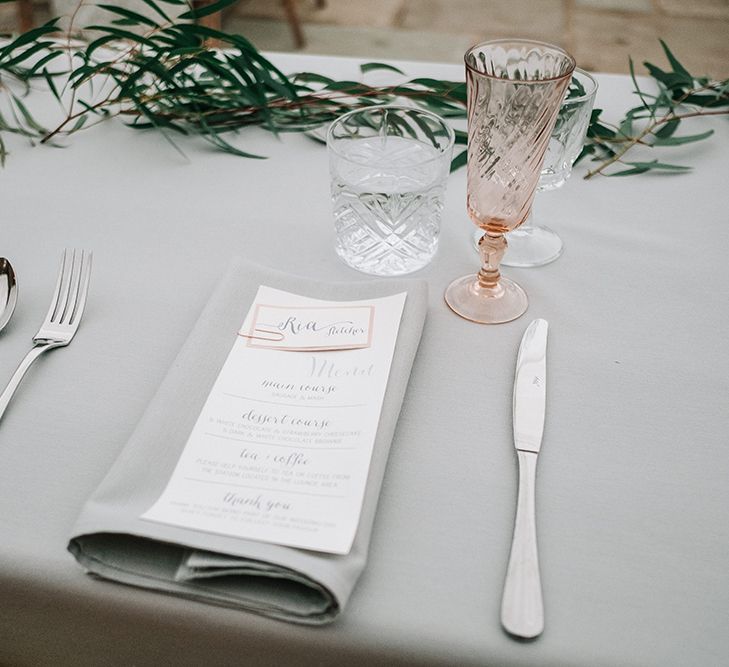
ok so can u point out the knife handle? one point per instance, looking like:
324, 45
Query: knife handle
522, 610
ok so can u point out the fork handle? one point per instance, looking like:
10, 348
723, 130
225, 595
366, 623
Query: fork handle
35, 352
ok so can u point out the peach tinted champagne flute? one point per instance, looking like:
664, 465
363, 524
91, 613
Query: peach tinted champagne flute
515, 89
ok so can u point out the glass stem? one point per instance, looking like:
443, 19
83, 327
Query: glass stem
492, 248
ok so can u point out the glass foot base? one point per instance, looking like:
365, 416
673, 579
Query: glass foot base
496, 305
529, 246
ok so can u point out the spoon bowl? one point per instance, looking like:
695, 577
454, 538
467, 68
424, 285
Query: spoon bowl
8, 292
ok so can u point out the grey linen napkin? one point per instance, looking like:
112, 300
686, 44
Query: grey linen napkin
111, 541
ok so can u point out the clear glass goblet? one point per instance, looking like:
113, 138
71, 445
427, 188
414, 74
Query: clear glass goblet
514, 92
536, 245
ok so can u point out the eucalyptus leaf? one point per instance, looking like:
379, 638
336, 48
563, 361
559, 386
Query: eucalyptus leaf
312, 77
51, 85
80, 122
669, 79
372, 67
30, 37
678, 68
422, 123
677, 141
575, 89
626, 127
120, 34
642, 167
630, 172
667, 129
207, 10
459, 161
134, 17
27, 117
155, 7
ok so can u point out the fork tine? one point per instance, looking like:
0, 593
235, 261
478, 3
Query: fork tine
82, 288
60, 295
73, 284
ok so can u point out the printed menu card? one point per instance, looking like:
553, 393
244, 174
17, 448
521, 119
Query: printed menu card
281, 450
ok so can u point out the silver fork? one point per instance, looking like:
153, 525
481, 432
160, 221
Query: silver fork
63, 317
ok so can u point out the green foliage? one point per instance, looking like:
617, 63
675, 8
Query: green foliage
163, 73
676, 96
21, 60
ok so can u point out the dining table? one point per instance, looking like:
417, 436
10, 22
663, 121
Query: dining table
633, 478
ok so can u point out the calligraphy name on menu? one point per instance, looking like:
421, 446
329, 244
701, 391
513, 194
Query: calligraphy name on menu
296, 326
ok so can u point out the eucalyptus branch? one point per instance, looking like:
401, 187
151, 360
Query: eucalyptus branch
677, 90
162, 73
649, 130
73, 116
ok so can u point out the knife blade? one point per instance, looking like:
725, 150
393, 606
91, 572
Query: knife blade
522, 607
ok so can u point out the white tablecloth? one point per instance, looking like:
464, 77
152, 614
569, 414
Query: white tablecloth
633, 501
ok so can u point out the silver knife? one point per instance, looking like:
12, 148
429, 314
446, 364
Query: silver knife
522, 610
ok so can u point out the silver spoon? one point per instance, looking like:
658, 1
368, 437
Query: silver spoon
8, 292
